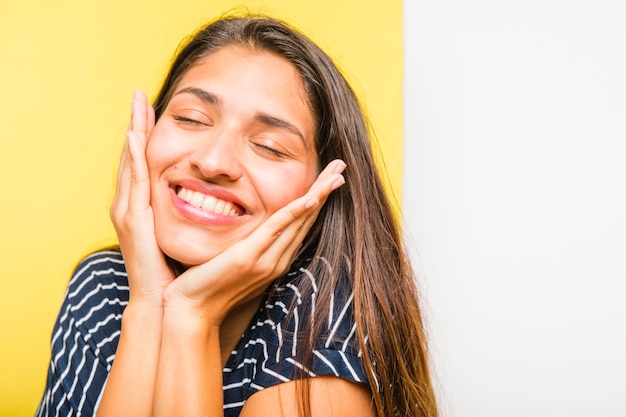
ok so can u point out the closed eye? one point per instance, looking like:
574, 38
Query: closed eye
270, 150
190, 121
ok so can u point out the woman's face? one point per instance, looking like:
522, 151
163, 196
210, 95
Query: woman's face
235, 144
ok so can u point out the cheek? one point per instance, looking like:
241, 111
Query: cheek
160, 151
285, 186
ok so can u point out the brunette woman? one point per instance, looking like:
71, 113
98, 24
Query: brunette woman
260, 270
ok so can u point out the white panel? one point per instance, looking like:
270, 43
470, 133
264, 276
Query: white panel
515, 197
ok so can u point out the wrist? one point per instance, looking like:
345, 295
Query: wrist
146, 299
187, 318
142, 313
193, 312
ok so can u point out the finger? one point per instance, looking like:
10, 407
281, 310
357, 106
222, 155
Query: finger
286, 246
139, 112
327, 181
295, 212
271, 247
290, 240
125, 170
122, 187
150, 120
139, 193
285, 249
142, 121
291, 223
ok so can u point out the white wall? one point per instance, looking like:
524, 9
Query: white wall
515, 196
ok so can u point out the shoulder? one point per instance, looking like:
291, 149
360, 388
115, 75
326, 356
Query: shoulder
325, 309
329, 396
94, 301
85, 334
97, 289
274, 350
102, 267
337, 350
300, 309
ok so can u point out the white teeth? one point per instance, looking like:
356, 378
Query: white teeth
197, 199
219, 207
207, 202
183, 194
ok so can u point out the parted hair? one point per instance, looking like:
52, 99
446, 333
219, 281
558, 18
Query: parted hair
355, 231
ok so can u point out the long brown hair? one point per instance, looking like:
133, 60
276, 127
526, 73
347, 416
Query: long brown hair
356, 229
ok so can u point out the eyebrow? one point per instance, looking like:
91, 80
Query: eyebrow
273, 121
203, 95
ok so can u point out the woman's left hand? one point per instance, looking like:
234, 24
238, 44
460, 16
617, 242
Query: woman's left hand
245, 269
196, 303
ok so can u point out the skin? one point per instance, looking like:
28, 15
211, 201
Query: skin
245, 134
178, 331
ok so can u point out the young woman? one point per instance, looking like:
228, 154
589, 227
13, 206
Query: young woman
254, 277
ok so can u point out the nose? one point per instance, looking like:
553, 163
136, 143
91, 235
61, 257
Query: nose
219, 155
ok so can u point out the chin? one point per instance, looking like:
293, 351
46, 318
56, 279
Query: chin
186, 255
188, 249
188, 259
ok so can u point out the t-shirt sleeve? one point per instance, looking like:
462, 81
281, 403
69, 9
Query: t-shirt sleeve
336, 352
85, 336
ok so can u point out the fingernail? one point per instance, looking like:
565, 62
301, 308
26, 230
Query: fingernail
338, 183
340, 167
311, 203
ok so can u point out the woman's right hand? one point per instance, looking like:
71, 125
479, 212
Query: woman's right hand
131, 213
137, 355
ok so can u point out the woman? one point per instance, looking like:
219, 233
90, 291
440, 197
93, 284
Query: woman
254, 278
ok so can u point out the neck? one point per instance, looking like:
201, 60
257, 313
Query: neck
235, 324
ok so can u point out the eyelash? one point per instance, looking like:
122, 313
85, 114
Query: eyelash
188, 120
270, 150
267, 149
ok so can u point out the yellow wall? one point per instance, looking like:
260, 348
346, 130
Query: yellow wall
67, 70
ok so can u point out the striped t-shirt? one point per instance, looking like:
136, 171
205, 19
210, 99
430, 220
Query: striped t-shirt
87, 330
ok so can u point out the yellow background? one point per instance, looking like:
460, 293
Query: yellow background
67, 71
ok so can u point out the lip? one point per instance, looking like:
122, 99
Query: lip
201, 216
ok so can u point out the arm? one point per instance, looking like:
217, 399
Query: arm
130, 385
330, 396
169, 360
189, 380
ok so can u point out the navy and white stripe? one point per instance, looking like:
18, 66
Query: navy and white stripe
85, 336
87, 330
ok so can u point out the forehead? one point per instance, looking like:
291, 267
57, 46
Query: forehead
254, 79
236, 65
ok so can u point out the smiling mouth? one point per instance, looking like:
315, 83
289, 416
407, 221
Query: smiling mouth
208, 203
